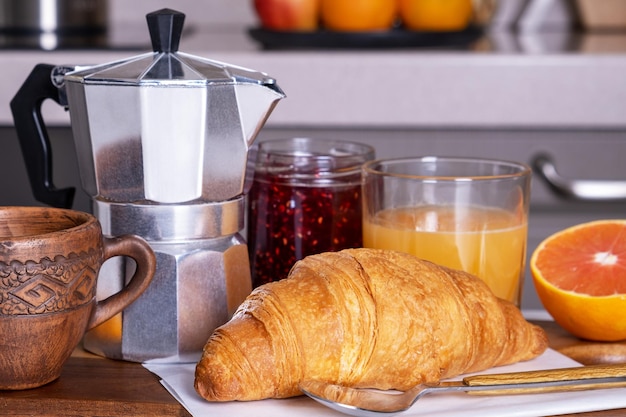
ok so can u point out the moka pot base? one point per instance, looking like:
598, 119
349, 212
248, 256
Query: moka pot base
202, 275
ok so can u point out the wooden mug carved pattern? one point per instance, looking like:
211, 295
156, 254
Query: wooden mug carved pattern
49, 285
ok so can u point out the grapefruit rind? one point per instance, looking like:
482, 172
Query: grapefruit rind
598, 318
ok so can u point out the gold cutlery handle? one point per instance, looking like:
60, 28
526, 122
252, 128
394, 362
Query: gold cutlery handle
574, 379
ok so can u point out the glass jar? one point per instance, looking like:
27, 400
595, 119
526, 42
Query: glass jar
305, 199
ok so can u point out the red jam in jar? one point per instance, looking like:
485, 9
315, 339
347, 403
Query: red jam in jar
305, 199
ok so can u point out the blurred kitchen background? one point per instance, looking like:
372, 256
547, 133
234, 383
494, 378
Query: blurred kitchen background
545, 78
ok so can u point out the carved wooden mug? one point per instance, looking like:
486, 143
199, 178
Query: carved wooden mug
49, 263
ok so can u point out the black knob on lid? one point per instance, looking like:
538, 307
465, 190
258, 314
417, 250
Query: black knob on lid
165, 26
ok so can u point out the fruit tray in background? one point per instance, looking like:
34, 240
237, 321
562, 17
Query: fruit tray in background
388, 39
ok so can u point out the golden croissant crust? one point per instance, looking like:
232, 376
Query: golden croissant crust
366, 318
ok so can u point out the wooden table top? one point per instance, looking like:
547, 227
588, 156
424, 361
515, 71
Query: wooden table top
92, 386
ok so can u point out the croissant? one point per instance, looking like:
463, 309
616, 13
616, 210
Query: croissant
363, 318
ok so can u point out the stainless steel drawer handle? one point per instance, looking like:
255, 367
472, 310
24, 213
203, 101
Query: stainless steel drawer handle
585, 190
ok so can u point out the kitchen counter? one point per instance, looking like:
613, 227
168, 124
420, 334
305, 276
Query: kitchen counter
90, 385
502, 80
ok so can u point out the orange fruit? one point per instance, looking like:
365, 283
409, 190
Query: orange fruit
580, 277
358, 15
435, 15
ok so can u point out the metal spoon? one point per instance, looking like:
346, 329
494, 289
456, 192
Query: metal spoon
372, 403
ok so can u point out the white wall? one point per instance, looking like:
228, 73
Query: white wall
202, 12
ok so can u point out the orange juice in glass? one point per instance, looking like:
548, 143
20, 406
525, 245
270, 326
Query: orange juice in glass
468, 214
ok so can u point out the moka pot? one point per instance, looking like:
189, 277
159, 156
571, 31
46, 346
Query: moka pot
162, 141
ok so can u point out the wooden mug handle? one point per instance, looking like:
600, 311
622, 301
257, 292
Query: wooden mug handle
139, 250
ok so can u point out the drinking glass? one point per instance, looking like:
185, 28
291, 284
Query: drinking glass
465, 213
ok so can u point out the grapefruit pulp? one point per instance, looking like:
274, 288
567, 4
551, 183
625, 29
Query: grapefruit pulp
580, 276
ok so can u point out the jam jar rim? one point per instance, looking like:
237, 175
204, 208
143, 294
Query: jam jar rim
312, 160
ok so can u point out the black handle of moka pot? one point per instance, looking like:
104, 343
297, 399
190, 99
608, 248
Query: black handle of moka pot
33, 135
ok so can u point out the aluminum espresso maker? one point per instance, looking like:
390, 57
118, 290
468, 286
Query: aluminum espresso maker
162, 141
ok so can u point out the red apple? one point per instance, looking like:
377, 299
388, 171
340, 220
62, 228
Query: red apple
288, 15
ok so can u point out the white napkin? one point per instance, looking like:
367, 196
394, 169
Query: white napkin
178, 380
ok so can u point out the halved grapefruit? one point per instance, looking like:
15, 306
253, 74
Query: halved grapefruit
580, 277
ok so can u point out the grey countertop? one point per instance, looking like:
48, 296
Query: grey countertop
503, 80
